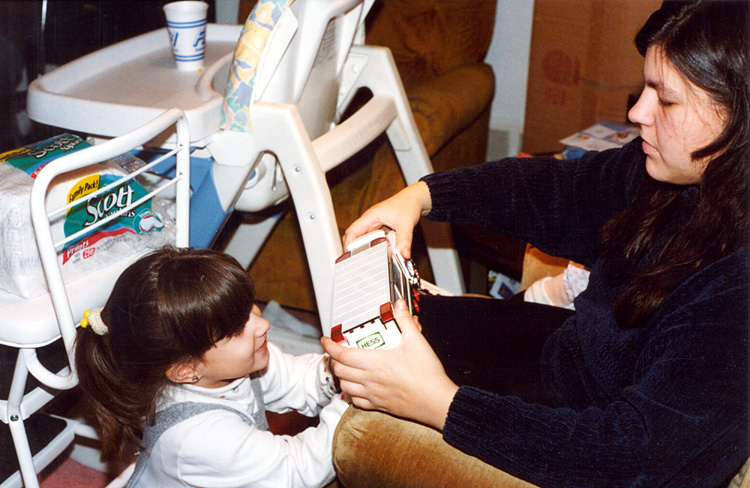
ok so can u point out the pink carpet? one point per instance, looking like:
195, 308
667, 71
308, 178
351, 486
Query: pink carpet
70, 474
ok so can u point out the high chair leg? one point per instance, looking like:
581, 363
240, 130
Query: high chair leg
310, 194
16, 424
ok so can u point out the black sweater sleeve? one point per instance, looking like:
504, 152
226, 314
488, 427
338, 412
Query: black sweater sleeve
558, 206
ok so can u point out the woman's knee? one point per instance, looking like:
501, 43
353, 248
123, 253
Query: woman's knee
374, 449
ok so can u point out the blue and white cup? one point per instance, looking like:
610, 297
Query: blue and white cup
186, 23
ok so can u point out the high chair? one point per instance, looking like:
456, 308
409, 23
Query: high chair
309, 68
29, 325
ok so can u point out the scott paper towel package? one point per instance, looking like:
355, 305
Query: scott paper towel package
148, 225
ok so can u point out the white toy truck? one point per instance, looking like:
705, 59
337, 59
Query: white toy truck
368, 279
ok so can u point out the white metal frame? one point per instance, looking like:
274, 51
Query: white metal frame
58, 312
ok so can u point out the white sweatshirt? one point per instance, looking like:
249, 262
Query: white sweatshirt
218, 449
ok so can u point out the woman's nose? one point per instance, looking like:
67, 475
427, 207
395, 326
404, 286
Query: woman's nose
638, 113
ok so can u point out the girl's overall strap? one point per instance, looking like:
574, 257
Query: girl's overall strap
171, 416
259, 417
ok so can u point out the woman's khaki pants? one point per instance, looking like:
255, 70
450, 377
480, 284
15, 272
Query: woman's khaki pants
374, 449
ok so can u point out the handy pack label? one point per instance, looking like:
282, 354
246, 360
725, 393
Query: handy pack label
138, 220
147, 225
33, 157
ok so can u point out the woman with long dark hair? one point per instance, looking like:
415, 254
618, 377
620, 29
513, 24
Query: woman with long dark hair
646, 383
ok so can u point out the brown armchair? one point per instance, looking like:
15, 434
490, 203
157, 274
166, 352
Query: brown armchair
439, 48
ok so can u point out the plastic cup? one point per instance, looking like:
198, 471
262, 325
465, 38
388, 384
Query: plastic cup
186, 23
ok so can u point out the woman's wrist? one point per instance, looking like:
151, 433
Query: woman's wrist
436, 411
421, 193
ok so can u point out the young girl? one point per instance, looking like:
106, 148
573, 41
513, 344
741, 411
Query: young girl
177, 364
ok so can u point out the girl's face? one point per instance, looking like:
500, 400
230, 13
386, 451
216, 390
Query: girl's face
238, 356
676, 119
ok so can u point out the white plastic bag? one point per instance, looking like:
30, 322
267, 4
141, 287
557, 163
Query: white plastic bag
149, 225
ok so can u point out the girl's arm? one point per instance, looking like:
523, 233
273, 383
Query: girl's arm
302, 383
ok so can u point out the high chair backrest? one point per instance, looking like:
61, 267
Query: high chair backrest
67, 317
300, 62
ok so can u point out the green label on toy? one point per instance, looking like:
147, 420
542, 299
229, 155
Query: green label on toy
372, 341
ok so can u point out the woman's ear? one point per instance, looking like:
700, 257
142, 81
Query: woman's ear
183, 373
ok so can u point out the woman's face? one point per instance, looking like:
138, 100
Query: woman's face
676, 119
238, 356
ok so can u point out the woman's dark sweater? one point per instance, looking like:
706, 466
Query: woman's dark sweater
665, 404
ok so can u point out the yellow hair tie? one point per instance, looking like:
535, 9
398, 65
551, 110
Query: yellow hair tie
85, 320
93, 318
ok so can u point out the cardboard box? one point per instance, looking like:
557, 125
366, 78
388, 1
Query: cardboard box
582, 68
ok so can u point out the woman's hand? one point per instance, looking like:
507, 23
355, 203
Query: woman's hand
401, 212
408, 381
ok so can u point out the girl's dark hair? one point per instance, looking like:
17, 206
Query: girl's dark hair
169, 307
707, 42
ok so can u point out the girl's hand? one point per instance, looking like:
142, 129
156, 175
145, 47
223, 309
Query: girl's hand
408, 381
401, 212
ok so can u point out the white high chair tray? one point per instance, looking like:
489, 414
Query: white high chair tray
120, 87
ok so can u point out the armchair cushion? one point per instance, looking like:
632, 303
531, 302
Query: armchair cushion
441, 111
429, 37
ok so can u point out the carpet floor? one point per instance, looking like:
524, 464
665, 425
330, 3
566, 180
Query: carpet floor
71, 474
